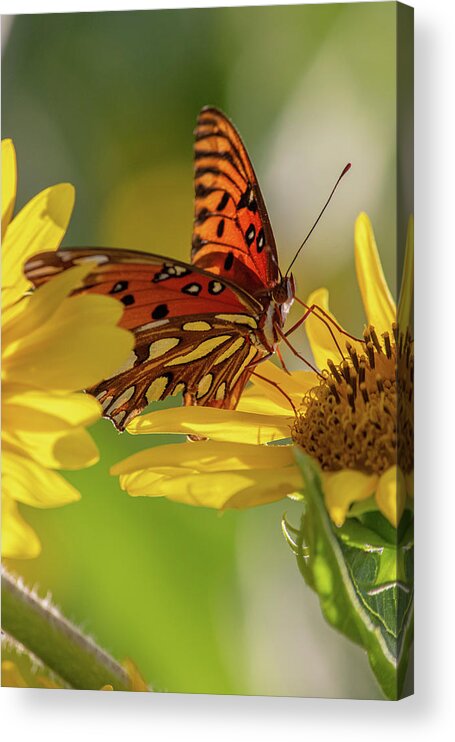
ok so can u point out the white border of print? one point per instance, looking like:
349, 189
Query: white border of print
69, 715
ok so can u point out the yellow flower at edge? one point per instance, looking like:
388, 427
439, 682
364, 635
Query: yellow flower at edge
12, 677
346, 417
53, 345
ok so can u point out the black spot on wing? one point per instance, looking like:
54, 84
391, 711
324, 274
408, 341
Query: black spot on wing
160, 311
127, 300
260, 242
202, 215
228, 263
223, 201
198, 242
247, 201
250, 235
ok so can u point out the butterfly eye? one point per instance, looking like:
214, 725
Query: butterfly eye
280, 292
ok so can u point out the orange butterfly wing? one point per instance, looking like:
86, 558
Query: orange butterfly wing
151, 287
205, 359
232, 235
198, 327
192, 329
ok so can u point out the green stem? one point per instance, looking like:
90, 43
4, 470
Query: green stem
41, 629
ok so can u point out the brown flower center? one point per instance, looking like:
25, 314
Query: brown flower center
361, 414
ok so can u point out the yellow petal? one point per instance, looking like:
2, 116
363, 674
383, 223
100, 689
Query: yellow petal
342, 488
19, 540
220, 490
11, 312
40, 225
48, 683
27, 481
137, 681
44, 302
280, 384
377, 300
391, 494
11, 676
254, 401
70, 449
206, 456
77, 348
326, 341
32, 410
407, 281
219, 425
9, 182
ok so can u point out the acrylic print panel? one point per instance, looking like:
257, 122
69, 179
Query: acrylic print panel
208, 402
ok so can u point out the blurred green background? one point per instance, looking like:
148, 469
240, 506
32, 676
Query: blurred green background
203, 603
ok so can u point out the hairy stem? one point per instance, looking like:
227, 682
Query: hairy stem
59, 644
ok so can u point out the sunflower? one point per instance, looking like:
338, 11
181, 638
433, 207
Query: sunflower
53, 345
354, 417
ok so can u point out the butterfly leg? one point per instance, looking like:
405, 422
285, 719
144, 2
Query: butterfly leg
312, 310
296, 353
327, 320
277, 386
281, 359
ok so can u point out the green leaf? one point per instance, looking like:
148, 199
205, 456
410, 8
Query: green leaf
363, 575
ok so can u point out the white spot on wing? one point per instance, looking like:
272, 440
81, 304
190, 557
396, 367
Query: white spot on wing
157, 389
160, 347
252, 352
197, 326
239, 319
202, 350
152, 325
93, 259
128, 364
45, 270
119, 417
120, 400
221, 391
204, 385
233, 348
180, 270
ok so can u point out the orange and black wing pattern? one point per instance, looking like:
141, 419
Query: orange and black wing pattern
193, 330
207, 360
232, 235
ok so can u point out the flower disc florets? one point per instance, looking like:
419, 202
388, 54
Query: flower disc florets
350, 420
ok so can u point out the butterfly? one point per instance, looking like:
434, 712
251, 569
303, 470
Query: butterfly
200, 327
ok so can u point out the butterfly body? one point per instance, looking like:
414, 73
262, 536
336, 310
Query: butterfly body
200, 327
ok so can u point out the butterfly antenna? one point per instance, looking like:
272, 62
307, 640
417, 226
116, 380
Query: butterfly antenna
345, 170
